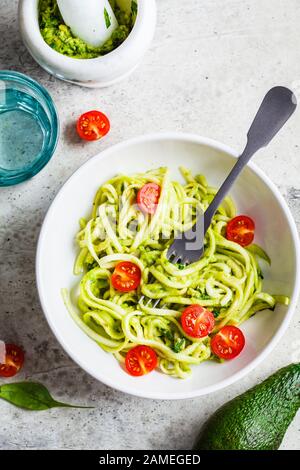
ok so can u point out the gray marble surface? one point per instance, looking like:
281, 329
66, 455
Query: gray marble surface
206, 71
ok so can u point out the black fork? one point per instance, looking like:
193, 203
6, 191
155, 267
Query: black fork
277, 107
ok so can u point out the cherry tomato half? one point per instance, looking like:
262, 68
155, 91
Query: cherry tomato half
197, 321
228, 342
13, 361
241, 230
93, 125
140, 360
126, 276
148, 198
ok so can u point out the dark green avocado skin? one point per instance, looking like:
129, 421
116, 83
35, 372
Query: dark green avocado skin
258, 419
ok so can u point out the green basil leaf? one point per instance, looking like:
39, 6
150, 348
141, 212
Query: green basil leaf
31, 396
107, 18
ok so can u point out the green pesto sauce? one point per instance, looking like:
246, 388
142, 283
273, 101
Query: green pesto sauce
60, 37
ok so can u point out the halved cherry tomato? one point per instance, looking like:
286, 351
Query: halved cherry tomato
148, 198
228, 342
126, 276
197, 321
140, 360
241, 230
93, 125
13, 361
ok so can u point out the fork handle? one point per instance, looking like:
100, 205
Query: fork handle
277, 107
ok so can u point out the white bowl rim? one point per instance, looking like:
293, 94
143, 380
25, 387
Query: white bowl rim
194, 138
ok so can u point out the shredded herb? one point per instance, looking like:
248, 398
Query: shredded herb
204, 297
134, 7
107, 18
216, 312
178, 346
168, 334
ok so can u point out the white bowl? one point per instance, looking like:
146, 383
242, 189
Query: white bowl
94, 73
254, 194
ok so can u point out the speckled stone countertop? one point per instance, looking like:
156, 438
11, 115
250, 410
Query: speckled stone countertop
206, 72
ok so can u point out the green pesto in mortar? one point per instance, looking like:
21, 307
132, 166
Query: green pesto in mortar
60, 37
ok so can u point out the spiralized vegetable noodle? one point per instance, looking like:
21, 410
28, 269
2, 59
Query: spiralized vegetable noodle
227, 280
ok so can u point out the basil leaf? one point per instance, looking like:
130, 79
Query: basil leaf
107, 18
31, 396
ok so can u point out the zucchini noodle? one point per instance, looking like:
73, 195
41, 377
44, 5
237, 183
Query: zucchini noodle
227, 279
